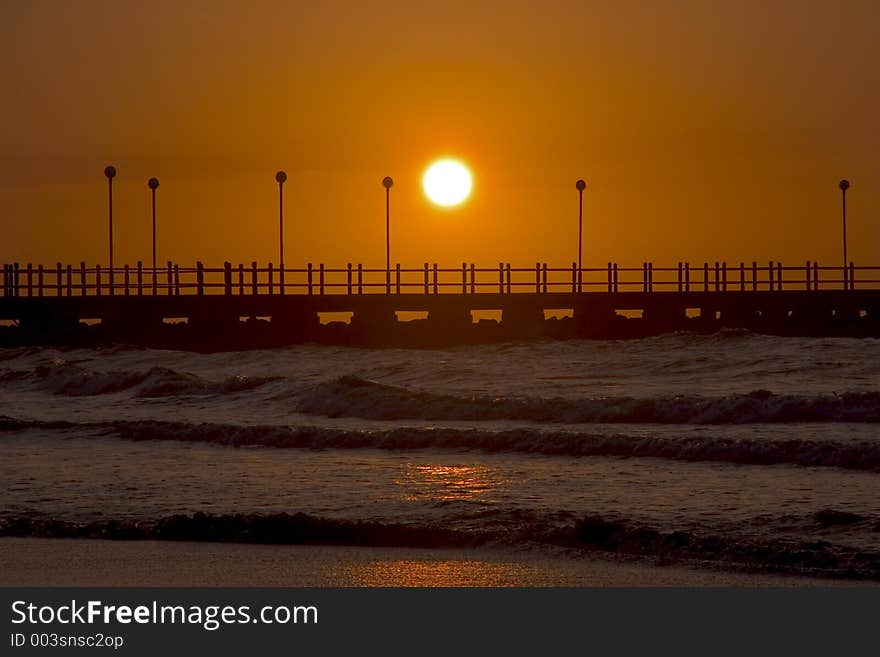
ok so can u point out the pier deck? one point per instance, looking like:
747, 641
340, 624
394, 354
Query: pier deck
135, 303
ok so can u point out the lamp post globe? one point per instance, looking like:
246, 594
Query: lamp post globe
281, 177
110, 172
581, 185
153, 183
844, 185
387, 182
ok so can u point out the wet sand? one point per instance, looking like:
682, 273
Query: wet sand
81, 562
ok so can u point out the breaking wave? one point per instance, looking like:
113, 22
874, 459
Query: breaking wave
592, 533
74, 381
862, 455
351, 396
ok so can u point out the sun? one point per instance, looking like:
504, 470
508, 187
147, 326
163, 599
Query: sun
447, 182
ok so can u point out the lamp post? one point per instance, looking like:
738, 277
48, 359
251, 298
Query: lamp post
387, 183
281, 178
110, 173
844, 185
581, 185
153, 184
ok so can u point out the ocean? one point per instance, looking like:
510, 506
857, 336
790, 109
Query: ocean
730, 451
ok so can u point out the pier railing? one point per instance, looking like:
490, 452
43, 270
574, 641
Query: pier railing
173, 279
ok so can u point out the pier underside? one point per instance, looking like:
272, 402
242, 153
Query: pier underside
221, 322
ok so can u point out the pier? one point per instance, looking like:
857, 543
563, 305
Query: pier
246, 306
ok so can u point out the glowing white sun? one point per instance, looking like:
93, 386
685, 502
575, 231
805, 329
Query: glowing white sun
447, 182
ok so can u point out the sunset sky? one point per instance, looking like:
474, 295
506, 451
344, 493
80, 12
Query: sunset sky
705, 130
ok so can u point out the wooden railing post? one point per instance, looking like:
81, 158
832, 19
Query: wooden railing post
807, 275
269, 272
98, 280
724, 276
610, 281
770, 275
574, 285
436, 279
815, 275
779, 275
125, 280
70, 280
679, 277
39, 280
227, 279
615, 277
650, 276
852, 275
754, 276
321, 279
140, 279
348, 271
717, 277
507, 273
310, 278
360, 278
397, 278
500, 278
240, 279
255, 282
644, 277
538, 277
30, 280
110, 281
473, 286
170, 271
705, 277
464, 278
200, 279
57, 279
426, 278
742, 276
177, 280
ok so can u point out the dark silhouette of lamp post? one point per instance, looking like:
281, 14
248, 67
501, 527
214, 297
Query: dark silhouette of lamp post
844, 185
110, 172
581, 186
153, 184
281, 178
387, 183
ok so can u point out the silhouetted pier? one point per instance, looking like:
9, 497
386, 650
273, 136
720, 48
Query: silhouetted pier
238, 306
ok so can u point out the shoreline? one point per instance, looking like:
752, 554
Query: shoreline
40, 562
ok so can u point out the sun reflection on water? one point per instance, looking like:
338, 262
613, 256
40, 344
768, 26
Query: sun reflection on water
447, 482
440, 572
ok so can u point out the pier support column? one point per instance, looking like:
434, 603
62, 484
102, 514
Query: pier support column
595, 319
47, 326
136, 326
295, 326
662, 318
522, 320
376, 325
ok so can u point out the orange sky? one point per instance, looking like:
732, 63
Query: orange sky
705, 130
